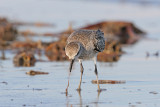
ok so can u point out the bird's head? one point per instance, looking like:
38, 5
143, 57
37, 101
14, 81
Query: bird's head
72, 50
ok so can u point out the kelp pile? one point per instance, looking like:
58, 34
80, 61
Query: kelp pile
116, 34
7, 31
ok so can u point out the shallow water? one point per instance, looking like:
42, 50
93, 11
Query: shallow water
140, 73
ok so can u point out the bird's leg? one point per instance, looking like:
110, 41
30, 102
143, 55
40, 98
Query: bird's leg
70, 69
79, 87
96, 72
68, 82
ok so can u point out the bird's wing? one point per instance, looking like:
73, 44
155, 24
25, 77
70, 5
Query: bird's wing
82, 36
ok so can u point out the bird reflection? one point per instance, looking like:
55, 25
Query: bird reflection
97, 99
81, 99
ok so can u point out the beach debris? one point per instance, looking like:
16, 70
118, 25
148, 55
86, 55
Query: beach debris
25, 44
109, 81
7, 31
4, 82
37, 24
29, 32
31, 72
26, 59
35, 47
153, 92
2, 47
24, 105
111, 53
105, 57
56, 50
116, 34
156, 54
124, 32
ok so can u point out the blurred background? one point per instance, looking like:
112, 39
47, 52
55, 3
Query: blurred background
33, 35
144, 13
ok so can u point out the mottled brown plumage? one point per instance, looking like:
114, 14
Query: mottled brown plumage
85, 44
89, 41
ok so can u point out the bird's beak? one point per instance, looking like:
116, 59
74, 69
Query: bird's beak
72, 61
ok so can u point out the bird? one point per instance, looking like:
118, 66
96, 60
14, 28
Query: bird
84, 45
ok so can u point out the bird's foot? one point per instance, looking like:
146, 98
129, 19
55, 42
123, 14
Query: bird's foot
67, 89
66, 92
100, 90
78, 89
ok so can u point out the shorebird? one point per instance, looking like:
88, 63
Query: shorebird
83, 45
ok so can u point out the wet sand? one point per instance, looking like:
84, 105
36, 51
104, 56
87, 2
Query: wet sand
140, 73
